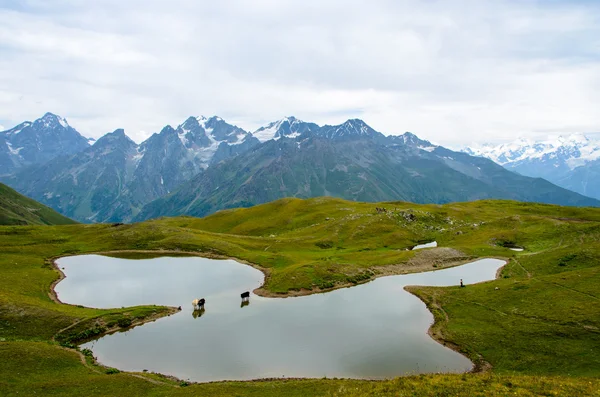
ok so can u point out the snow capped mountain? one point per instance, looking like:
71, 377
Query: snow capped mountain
569, 161
411, 140
354, 162
351, 129
15, 131
113, 178
37, 142
289, 127
573, 150
50, 120
199, 139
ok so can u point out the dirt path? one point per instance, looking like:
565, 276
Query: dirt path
569, 288
70, 326
529, 276
156, 382
98, 369
522, 267
82, 358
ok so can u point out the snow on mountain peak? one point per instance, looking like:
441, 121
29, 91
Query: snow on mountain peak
287, 126
17, 129
63, 122
571, 150
573, 140
356, 125
50, 118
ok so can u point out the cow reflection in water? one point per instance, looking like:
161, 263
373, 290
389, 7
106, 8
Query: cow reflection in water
198, 313
245, 303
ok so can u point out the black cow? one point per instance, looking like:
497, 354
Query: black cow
245, 296
198, 303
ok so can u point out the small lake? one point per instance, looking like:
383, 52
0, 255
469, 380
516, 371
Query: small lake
432, 244
374, 330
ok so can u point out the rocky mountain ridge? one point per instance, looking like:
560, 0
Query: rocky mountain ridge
37, 142
206, 164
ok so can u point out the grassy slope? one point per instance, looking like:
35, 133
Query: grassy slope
40, 369
543, 319
16, 209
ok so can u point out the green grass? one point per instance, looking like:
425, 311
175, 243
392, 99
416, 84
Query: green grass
16, 209
36, 368
539, 330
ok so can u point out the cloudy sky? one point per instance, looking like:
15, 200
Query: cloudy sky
454, 71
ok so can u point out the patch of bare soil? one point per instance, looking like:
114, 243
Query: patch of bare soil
426, 260
575, 220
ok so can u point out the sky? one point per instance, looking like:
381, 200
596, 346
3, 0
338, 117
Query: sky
455, 72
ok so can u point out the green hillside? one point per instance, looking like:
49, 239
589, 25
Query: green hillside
357, 170
16, 209
535, 330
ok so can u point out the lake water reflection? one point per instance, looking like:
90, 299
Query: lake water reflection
374, 330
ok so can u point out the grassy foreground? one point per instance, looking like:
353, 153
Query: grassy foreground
538, 326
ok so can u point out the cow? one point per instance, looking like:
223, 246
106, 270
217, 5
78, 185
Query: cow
198, 303
245, 296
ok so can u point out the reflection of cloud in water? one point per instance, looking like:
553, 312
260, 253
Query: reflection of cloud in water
115, 282
372, 330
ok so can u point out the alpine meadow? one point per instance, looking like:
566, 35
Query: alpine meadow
391, 198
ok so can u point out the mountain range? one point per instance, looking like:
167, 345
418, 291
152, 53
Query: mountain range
112, 179
205, 164
572, 162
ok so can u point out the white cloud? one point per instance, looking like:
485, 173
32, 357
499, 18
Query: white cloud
452, 72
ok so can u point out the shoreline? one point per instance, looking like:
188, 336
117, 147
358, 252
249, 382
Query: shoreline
379, 271
435, 332
170, 310
479, 366
435, 329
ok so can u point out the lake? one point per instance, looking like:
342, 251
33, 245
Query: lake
432, 244
374, 330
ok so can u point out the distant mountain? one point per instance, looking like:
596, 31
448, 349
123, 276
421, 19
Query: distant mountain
289, 127
355, 162
87, 186
206, 164
37, 142
112, 179
350, 130
572, 162
16, 209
